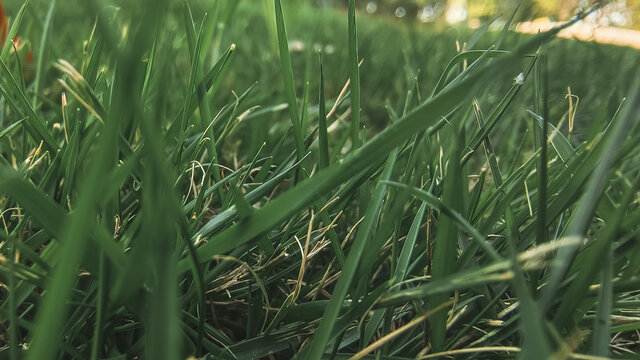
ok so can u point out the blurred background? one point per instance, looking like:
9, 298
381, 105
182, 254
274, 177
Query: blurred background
405, 46
623, 13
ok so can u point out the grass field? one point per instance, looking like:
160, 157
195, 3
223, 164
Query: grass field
269, 182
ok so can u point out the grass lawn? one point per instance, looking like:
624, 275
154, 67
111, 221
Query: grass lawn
259, 180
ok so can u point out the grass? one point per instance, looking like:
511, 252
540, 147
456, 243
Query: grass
157, 203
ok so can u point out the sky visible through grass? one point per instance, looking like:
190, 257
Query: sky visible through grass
271, 180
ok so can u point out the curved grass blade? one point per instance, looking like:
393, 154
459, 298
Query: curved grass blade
454, 215
467, 55
478, 34
507, 24
560, 143
495, 116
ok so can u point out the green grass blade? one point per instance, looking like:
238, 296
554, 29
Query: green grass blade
211, 81
304, 112
560, 143
446, 243
43, 53
98, 331
192, 84
602, 326
11, 127
323, 141
505, 28
467, 55
454, 215
287, 76
542, 166
354, 76
147, 76
400, 271
201, 90
479, 33
495, 116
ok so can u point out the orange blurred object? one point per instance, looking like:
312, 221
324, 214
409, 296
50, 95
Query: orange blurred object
3, 25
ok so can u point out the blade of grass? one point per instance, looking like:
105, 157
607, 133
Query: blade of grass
323, 142
540, 98
454, 215
559, 142
43, 53
287, 77
354, 76
541, 219
10, 128
495, 116
445, 243
186, 115
211, 81
602, 323
505, 28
